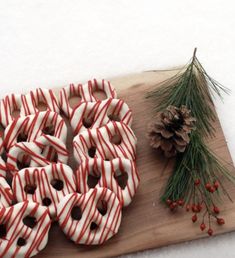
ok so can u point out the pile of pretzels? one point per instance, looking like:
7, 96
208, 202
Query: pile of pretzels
37, 186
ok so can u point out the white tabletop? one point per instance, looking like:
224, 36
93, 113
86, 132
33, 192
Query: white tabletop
51, 43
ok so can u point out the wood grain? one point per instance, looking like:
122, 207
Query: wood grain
146, 223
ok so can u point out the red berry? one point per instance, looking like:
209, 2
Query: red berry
197, 181
216, 210
194, 218
168, 202
208, 186
220, 221
199, 207
202, 226
216, 185
210, 232
173, 205
211, 189
188, 207
180, 202
194, 208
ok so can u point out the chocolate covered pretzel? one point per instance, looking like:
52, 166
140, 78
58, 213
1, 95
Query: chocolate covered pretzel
85, 92
44, 185
119, 175
111, 141
91, 218
97, 114
24, 229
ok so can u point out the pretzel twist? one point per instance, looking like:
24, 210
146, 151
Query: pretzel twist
93, 225
96, 114
22, 239
44, 185
119, 175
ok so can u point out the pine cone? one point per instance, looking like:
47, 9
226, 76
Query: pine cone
170, 132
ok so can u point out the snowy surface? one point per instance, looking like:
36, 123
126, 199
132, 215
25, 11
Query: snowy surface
51, 43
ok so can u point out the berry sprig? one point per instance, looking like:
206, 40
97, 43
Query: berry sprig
210, 211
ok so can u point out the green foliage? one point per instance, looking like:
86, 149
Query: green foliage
195, 89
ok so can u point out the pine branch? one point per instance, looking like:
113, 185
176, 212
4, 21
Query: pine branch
198, 175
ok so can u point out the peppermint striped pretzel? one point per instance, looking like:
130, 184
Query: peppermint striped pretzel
31, 127
35, 154
11, 103
97, 114
85, 92
102, 143
44, 185
24, 229
41, 96
91, 218
119, 175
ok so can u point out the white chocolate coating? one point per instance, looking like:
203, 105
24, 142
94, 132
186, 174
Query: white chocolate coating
35, 238
100, 138
42, 179
85, 92
80, 230
99, 114
106, 172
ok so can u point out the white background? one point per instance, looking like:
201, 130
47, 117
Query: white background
51, 43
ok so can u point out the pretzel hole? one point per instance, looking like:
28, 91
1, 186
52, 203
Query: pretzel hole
76, 213
114, 117
15, 113
93, 226
52, 155
30, 189
87, 121
46, 201
57, 184
92, 151
74, 101
23, 162
116, 139
2, 129
21, 241
3, 231
49, 129
4, 155
92, 180
42, 106
121, 178
22, 137
102, 207
30, 221
99, 95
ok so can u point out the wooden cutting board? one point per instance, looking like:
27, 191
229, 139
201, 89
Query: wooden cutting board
146, 223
